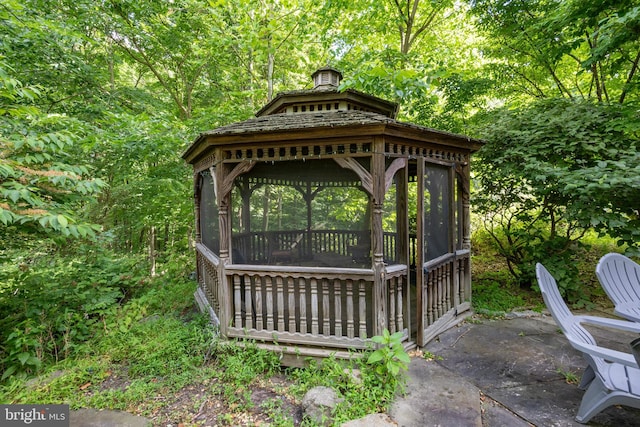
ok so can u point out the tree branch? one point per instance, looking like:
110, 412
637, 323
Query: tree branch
632, 73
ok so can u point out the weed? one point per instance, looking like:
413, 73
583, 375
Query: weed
427, 355
390, 357
569, 376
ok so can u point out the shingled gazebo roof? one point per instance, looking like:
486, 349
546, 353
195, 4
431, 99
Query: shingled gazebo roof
285, 126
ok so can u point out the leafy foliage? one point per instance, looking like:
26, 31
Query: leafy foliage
552, 171
574, 49
39, 186
50, 305
390, 358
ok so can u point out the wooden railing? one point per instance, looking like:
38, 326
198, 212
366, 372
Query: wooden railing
305, 306
446, 292
207, 265
398, 290
302, 306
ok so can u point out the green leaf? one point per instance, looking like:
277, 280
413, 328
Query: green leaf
23, 357
62, 220
375, 357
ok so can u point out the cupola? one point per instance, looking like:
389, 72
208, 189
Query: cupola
326, 78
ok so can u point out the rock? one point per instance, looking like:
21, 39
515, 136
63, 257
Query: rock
106, 418
372, 420
42, 381
318, 404
354, 374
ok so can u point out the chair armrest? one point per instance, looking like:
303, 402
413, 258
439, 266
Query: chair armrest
624, 325
605, 353
629, 311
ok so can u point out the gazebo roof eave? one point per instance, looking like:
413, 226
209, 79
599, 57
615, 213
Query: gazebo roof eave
371, 124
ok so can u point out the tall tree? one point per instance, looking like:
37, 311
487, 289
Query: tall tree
573, 49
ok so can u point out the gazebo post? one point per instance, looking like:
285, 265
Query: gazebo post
223, 198
421, 302
377, 242
402, 226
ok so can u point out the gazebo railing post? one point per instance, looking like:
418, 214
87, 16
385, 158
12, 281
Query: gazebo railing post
379, 281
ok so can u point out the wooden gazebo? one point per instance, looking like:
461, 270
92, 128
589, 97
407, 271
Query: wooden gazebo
372, 228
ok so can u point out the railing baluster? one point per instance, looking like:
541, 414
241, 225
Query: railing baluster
449, 284
237, 301
269, 300
280, 302
440, 285
337, 310
392, 305
362, 308
291, 303
400, 307
326, 318
314, 306
430, 296
248, 301
258, 285
302, 287
350, 313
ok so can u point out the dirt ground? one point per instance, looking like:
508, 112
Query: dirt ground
198, 404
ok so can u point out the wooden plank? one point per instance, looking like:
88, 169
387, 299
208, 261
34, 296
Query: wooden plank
299, 271
208, 254
299, 356
310, 340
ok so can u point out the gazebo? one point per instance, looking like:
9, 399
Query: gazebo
324, 220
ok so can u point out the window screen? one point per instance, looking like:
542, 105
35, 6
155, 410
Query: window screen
437, 211
209, 225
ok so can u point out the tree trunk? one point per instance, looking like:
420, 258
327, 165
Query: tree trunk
152, 250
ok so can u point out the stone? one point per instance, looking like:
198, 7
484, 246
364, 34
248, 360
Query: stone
105, 418
318, 404
372, 420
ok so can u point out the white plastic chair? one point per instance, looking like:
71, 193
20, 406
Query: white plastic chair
620, 279
612, 377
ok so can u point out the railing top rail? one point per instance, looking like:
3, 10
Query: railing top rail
442, 259
396, 268
208, 254
299, 270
